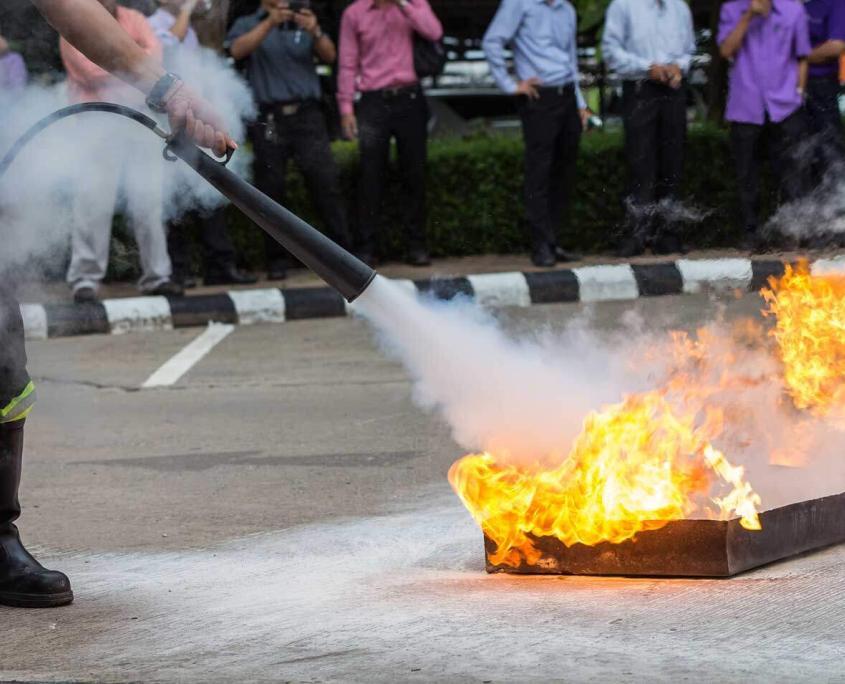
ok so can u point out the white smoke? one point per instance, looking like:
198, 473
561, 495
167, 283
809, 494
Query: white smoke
36, 194
525, 399
521, 397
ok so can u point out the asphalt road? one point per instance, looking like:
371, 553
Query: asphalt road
282, 513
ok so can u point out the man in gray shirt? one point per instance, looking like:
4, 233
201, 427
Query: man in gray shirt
650, 44
279, 45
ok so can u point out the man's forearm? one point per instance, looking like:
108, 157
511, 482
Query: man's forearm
93, 31
827, 52
803, 72
731, 45
243, 46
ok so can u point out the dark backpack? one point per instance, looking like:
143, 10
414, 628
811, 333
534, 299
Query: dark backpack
429, 57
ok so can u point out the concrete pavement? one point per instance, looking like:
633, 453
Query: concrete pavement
282, 514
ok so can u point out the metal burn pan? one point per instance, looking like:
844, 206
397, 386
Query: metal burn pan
695, 548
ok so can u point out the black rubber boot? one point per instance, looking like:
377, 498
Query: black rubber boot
24, 582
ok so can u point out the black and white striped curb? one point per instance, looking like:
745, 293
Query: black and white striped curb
247, 307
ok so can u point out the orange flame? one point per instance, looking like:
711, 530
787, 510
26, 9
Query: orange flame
635, 466
810, 335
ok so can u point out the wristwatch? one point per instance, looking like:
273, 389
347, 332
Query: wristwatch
156, 99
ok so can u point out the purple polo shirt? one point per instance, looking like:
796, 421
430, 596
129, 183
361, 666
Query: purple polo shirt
764, 76
827, 22
12, 72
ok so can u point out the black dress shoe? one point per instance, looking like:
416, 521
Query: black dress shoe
85, 295
167, 289
543, 257
630, 247
668, 243
419, 257
229, 275
562, 255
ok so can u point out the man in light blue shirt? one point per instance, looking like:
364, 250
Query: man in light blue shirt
543, 36
649, 44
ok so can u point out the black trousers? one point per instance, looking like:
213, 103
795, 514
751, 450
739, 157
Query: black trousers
13, 376
401, 114
303, 137
825, 123
551, 128
655, 121
217, 248
783, 140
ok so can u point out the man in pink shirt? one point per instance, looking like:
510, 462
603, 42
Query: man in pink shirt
377, 60
133, 164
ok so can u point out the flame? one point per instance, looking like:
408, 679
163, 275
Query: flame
635, 466
810, 335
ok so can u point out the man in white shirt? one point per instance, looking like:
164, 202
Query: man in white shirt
649, 44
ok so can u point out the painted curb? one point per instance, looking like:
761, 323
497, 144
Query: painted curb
600, 283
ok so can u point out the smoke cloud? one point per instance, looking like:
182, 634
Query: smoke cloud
85, 152
525, 398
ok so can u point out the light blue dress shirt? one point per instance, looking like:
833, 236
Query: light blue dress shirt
543, 36
639, 33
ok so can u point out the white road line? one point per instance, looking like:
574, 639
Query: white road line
138, 314
259, 306
501, 289
189, 356
606, 283
34, 321
714, 274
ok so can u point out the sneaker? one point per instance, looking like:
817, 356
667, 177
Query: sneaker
85, 295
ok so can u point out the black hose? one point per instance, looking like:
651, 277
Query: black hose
343, 271
73, 110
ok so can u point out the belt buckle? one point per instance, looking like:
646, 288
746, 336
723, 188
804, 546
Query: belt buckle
290, 109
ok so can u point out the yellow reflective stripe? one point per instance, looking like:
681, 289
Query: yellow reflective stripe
20, 406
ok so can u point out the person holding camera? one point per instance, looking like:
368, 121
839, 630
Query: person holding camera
279, 43
377, 60
650, 46
768, 42
551, 106
172, 23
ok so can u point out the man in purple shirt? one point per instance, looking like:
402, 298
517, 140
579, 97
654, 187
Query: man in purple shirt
827, 36
13, 74
768, 42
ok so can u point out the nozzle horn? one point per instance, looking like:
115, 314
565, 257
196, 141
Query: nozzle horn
339, 268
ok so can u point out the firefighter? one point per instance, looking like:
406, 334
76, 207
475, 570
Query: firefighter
91, 29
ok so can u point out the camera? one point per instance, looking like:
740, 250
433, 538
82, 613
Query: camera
298, 5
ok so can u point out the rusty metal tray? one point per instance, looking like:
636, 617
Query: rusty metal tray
696, 548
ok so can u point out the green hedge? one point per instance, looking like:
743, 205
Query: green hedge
475, 196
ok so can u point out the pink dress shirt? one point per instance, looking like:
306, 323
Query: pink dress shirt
89, 83
377, 46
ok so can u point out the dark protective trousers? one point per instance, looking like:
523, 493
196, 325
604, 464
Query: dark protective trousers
783, 140
551, 128
303, 137
217, 249
825, 123
16, 395
382, 115
655, 121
